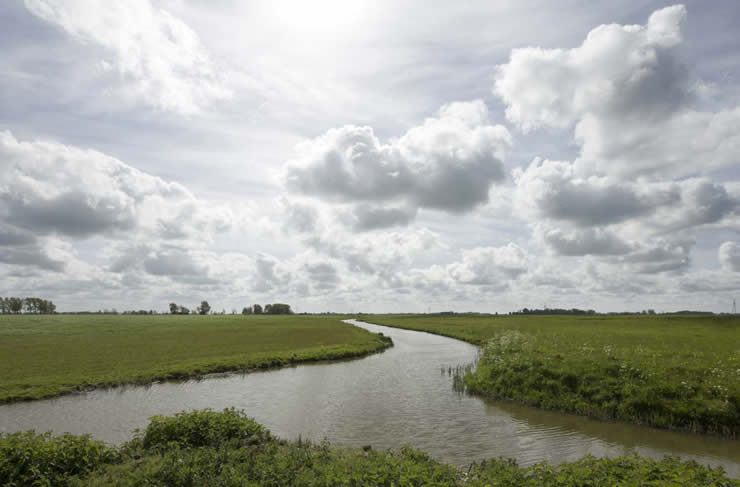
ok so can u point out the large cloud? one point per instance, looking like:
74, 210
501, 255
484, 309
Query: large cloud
639, 191
629, 97
448, 163
619, 70
158, 56
51, 188
552, 190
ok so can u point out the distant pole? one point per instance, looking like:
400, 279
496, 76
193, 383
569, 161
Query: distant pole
734, 306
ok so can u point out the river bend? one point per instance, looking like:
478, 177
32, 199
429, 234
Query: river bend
386, 400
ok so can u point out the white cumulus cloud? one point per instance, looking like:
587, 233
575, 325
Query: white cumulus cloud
52, 188
448, 163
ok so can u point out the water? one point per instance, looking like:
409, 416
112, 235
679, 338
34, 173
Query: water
386, 400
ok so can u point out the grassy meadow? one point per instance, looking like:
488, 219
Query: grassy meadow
47, 355
207, 448
677, 372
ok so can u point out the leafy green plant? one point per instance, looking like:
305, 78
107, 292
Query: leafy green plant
203, 428
28, 458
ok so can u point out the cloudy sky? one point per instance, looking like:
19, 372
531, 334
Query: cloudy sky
371, 155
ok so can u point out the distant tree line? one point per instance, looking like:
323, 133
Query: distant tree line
269, 309
256, 309
203, 309
26, 305
554, 311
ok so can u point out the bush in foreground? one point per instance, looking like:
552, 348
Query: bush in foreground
28, 458
203, 428
206, 448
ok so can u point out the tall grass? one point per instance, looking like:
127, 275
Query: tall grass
669, 372
625, 384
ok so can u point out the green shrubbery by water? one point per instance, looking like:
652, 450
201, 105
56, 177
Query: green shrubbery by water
626, 384
679, 372
28, 458
206, 448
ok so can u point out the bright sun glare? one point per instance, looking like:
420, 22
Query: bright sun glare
316, 16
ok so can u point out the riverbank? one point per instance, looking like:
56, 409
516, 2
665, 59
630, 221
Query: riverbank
44, 356
226, 448
674, 372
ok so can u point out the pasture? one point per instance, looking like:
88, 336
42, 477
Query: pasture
47, 355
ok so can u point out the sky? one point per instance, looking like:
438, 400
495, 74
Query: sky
371, 156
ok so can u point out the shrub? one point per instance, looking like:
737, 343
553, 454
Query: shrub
203, 428
29, 458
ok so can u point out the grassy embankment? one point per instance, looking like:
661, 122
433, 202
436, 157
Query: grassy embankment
678, 372
205, 448
47, 355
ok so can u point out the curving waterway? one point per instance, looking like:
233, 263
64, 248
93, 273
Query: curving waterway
398, 397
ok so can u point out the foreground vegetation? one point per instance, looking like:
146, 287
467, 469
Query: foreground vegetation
679, 372
206, 448
47, 355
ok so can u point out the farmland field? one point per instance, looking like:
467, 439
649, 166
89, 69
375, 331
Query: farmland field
678, 372
47, 355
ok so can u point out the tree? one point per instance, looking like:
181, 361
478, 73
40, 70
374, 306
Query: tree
247, 310
31, 305
4, 307
204, 308
257, 309
278, 309
15, 304
176, 309
48, 307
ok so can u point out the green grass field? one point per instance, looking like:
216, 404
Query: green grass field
47, 355
680, 372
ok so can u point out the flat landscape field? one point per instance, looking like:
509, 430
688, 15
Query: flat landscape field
47, 355
670, 371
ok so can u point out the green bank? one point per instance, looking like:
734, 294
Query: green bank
677, 372
47, 355
206, 448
